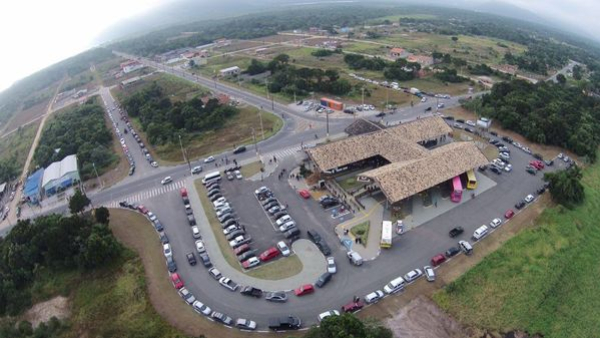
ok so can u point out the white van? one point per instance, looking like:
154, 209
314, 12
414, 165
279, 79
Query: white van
355, 258
394, 286
466, 247
211, 177
480, 232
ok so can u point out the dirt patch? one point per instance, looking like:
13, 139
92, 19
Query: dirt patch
450, 271
422, 318
547, 151
42, 312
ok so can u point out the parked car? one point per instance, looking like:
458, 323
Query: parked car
167, 250
509, 214
241, 249
456, 231
171, 265
269, 254
374, 297
353, 306
245, 324
326, 314
201, 308
251, 291
285, 250
224, 319
251, 262
531, 170
187, 296
331, 266
304, 290
285, 323
496, 222
438, 259
247, 255
453, 251
209, 159
228, 283
196, 170
215, 273
529, 198
304, 193
278, 297
176, 280
412, 275
429, 273
520, 205
239, 150
323, 279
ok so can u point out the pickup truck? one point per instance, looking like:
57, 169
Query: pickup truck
285, 323
228, 283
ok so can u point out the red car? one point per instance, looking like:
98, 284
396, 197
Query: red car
509, 214
269, 254
353, 306
304, 290
438, 259
143, 209
304, 194
241, 249
183, 192
176, 280
537, 164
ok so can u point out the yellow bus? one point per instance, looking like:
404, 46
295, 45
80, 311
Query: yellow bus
471, 180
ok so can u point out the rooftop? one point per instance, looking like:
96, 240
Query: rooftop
58, 169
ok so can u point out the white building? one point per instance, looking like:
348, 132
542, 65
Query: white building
235, 70
60, 175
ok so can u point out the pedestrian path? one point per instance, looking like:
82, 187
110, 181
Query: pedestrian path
282, 153
147, 194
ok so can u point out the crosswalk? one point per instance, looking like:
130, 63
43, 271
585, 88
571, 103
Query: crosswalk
147, 194
283, 153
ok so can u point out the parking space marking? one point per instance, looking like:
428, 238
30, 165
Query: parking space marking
147, 194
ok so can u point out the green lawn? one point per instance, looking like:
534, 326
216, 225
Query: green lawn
362, 230
16, 145
544, 280
350, 183
251, 169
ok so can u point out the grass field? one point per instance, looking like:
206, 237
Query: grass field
544, 280
177, 89
17, 144
237, 131
279, 269
362, 230
251, 169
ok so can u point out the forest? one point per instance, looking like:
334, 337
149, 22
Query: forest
163, 120
290, 80
399, 70
81, 130
55, 242
545, 113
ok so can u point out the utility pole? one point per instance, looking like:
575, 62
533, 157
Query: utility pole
183, 153
97, 177
262, 130
327, 117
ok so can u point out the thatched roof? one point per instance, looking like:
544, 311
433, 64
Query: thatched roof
403, 179
396, 144
362, 126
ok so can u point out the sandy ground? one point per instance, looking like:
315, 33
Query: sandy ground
422, 318
42, 312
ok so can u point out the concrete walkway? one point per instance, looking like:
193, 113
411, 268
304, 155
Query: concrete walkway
312, 260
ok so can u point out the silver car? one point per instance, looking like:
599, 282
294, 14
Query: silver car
429, 273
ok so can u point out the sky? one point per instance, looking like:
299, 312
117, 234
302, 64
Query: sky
37, 33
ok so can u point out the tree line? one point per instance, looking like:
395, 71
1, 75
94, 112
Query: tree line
399, 70
163, 121
288, 79
53, 242
81, 130
545, 113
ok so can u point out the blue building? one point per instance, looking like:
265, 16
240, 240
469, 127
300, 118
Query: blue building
33, 187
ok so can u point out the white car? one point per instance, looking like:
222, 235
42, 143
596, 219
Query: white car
440, 105
374, 297
508, 168
529, 198
200, 246
424, 99
250, 263
283, 220
166, 180
285, 250
287, 226
328, 314
429, 273
470, 123
495, 222
167, 250
187, 296
560, 155
504, 156
201, 308
245, 324
412, 275
331, 267
196, 232
236, 241
209, 159
238, 175
228, 283
196, 170
230, 229
152, 216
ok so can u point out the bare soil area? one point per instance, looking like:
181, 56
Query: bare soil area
42, 312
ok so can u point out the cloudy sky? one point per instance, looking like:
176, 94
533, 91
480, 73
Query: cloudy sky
37, 33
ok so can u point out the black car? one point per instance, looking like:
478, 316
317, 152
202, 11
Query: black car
246, 255
163, 238
251, 291
494, 141
538, 156
314, 236
483, 168
541, 190
460, 120
268, 201
348, 111
285, 323
191, 220
382, 114
292, 233
507, 139
133, 206
531, 170
278, 215
329, 204
494, 133
158, 226
239, 150
324, 248
428, 109
469, 130
520, 204
453, 251
450, 118
171, 265
323, 279
495, 169
191, 258
205, 259
131, 170
456, 231
124, 204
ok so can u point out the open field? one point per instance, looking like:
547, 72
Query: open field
238, 45
176, 88
16, 146
281, 38
544, 280
27, 115
236, 131
217, 63
279, 269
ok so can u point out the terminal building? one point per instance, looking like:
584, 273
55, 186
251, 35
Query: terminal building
60, 175
401, 160
32, 188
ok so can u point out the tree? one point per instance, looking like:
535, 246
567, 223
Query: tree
78, 202
561, 79
454, 38
347, 325
102, 214
577, 72
565, 186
